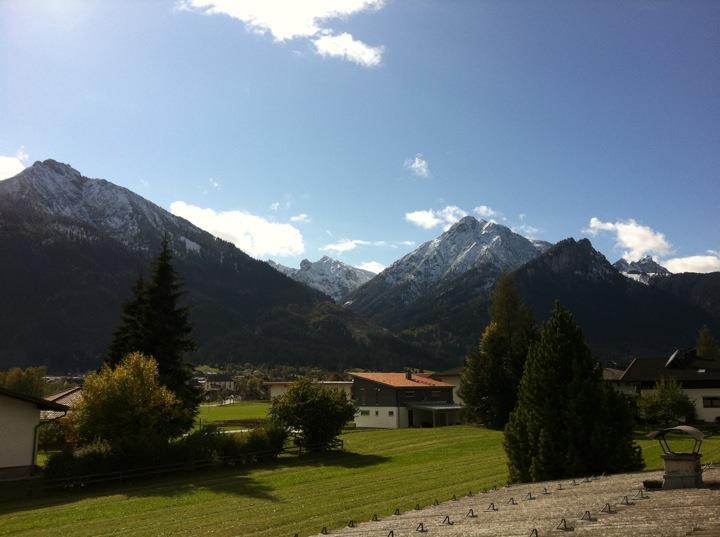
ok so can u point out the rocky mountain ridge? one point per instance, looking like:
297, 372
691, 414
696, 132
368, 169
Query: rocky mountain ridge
330, 276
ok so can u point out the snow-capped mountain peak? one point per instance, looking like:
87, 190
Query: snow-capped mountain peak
90, 209
467, 244
642, 270
334, 278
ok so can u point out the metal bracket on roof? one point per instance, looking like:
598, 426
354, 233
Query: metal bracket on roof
471, 514
447, 521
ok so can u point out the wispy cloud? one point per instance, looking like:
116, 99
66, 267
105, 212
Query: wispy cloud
347, 245
345, 46
253, 234
635, 239
418, 166
11, 166
214, 183
484, 211
372, 266
429, 219
300, 218
300, 19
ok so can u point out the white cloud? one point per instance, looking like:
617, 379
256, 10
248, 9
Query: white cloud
418, 166
372, 266
300, 218
252, 234
299, 19
348, 48
432, 218
346, 245
11, 166
694, 263
214, 183
484, 211
407, 243
636, 239
275, 206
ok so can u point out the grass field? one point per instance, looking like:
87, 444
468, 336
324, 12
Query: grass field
379, 471
245, 410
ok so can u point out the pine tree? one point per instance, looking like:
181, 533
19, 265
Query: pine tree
566, 423
492, 372
128, 337
707, 346
154, 324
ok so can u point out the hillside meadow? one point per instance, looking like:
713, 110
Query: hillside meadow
379, 471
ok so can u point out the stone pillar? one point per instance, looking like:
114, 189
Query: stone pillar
682, 471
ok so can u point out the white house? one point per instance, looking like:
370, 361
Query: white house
396, 400
19, 422
699, 378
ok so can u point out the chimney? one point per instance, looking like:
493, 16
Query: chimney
408, 375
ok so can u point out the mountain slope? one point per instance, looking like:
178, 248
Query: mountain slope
393, 296
620, 317
72, 247
327, 275
703, 290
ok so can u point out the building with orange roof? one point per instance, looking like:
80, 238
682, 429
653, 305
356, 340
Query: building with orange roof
396, 400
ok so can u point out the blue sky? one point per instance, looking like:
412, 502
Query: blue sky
382, 121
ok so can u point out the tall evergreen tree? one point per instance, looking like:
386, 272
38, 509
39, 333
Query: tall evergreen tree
492, 372
566, 423
154, 324
128, 337
707, 346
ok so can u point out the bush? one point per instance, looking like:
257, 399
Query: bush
204, 445
127, 406
317, 414
666, 404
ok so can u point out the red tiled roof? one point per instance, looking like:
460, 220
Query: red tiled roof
400, 380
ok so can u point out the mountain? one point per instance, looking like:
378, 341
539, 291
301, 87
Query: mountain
72, 247
620, 317
642, 270
394, 295
330, 276
703, 290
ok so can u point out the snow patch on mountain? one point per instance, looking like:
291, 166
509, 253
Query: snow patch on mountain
334, 278
642, 270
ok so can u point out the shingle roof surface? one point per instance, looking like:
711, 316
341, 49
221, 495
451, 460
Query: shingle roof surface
399, 380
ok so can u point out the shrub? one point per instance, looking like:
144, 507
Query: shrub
317, 414
127, 406
204, 445
667, 403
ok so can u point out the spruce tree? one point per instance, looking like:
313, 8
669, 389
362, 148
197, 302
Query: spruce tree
707, 346
492, 372
566, 423
128, 337
156, 325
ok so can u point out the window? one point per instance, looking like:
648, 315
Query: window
377, 413
364, 412
711, 402
391, 412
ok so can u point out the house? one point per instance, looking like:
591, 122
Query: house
394, 400
451, 376
276, 388
698, 377
69, 398
19, 422
216, 385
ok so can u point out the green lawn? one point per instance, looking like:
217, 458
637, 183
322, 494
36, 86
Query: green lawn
379, 471
244, 410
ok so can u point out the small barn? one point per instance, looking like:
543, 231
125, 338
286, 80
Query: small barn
19, 422
396, 400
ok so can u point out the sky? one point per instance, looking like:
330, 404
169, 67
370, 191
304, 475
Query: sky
359, 129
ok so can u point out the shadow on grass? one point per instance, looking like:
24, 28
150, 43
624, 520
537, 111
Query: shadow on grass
28, 496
